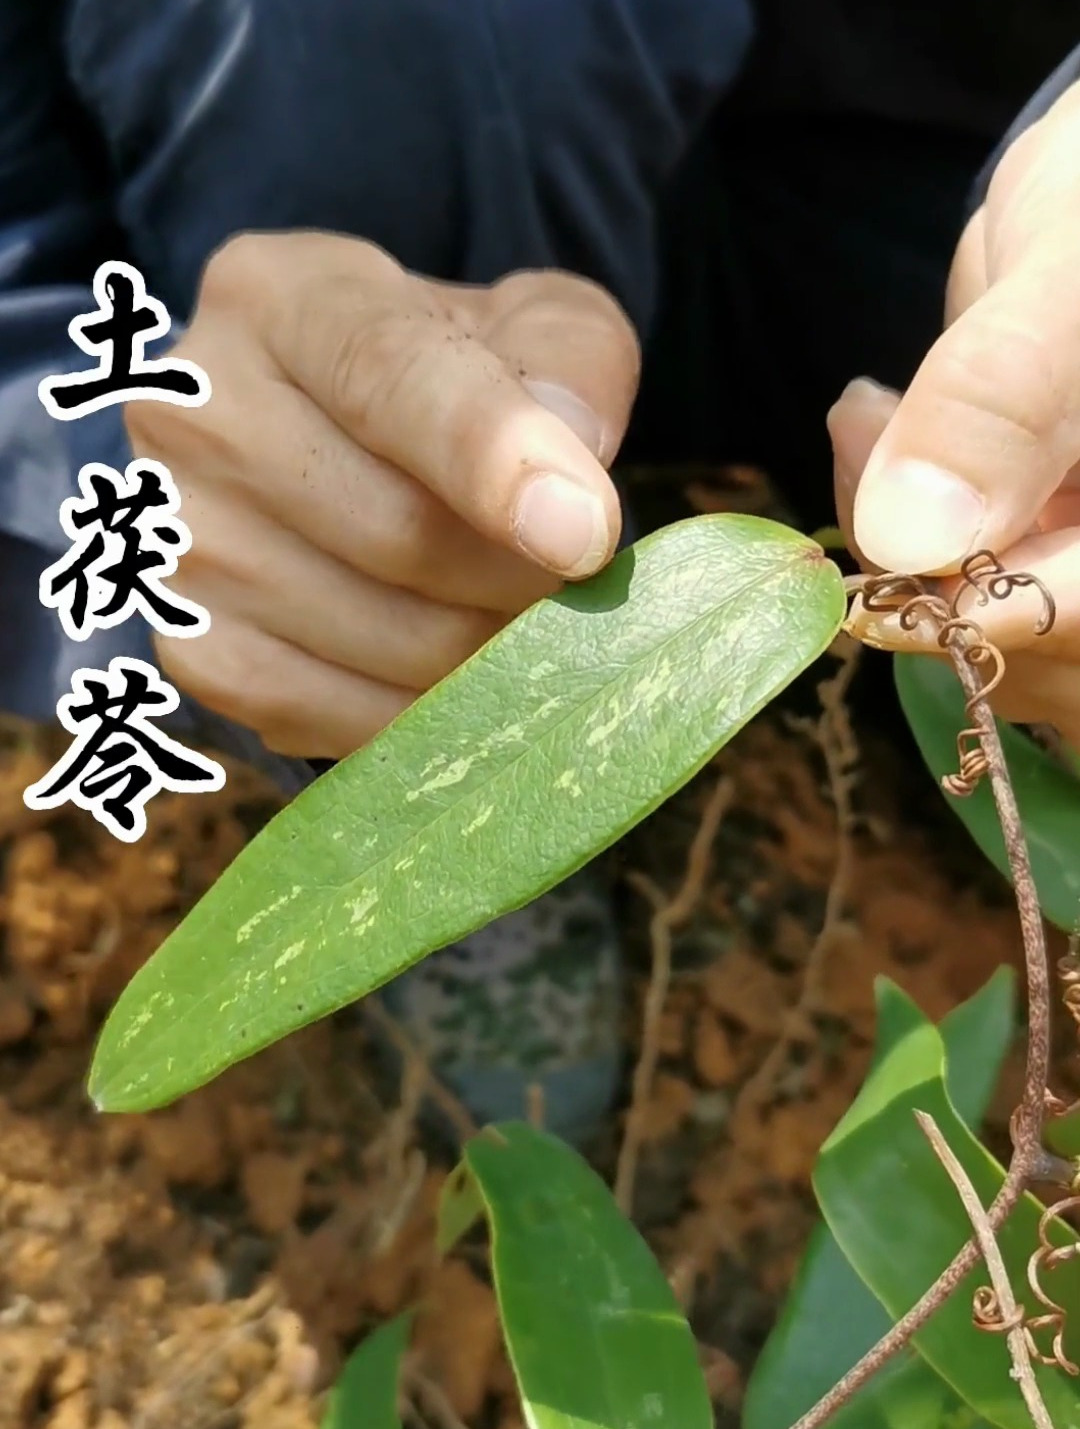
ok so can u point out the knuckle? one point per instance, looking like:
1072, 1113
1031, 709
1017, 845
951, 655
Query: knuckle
417, 558
233, 671
356, 347
382, 362
157, 428
243, 264
1004, 370
1016, 168
217, 436
372, 263
553, 296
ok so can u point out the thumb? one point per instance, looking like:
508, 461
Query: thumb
990, 425
415, 374
986, 432
573, 349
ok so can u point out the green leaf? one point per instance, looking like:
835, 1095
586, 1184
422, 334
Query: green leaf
830, 1319
595, 1335
830, 538
899, 1222
1062, 1134
562, 732
977, 1037
828, 1322
1048, 795
366, 1394
460, 1207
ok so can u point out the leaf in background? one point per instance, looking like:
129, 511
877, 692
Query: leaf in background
898, 1220
830, 1319
1048, 795
366, 1394
977, 1037
595, 1334
460, 1207
1062, 1134
567, 728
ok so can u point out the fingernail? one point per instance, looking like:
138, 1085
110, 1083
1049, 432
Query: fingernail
562, 526
917, 518
854, 422
867, 386
569, 408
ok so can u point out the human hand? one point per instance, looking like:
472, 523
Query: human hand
983, 450
388, 470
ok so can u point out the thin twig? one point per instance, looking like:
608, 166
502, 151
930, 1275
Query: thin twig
1028, 1158
440, 1094
832, 733
536, 1105
436, 1404
1028, 1120
666, 917
995, 1264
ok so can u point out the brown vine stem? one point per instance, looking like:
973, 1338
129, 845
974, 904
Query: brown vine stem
1028, 1160
995, 1264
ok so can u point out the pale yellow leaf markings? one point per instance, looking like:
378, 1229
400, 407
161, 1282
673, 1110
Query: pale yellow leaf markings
436, 762
452, 774
245, 930
645, 692
292, 951
480, 820
361, 907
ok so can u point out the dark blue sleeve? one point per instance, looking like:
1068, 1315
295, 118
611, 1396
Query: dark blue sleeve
1066, 74
56, 225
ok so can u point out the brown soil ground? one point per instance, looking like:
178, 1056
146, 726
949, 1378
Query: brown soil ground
207, 1266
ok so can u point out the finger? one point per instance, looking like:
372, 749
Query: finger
985, 433
266, 441
590, 382
1041, 691
855, 423
412, 383
270, 578
968, 278
1012, 623
991, 422
297, 704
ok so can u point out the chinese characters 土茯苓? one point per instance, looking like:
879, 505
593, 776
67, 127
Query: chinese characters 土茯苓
126, 538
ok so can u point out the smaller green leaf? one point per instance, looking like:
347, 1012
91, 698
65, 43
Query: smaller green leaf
829, 538
830, 1319
898, 1220
1062, 1134
460, 1207
595, 1334
1047, 794
977, 1037
366, 1394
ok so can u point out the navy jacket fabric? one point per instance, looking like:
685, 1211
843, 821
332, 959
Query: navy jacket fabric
469, 139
